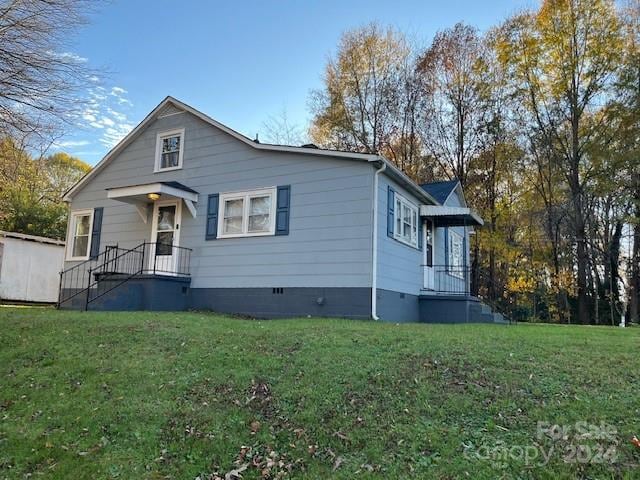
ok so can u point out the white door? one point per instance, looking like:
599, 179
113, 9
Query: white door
165, 237
428, 254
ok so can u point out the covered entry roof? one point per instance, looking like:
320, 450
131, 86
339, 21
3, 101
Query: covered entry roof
451, 216
139, 195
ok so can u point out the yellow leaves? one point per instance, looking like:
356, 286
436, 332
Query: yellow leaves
521, 284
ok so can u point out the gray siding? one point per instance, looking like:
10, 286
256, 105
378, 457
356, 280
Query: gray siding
399, 265
329, 244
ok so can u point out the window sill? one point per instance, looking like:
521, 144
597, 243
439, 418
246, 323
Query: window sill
76, 259
406, 244
247, 235
170, 169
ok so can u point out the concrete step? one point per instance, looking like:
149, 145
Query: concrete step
499, 318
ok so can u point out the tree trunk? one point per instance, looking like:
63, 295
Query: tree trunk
634, 281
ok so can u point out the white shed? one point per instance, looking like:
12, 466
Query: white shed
29, 267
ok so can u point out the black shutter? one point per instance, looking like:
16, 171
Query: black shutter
212, 217
283, 208
391, 203
95, 232
419, 232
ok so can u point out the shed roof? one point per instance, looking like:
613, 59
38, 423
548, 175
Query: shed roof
31, 238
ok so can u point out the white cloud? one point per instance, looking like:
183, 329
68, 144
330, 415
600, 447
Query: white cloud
73, 143
69, 56
106, 115
121, 117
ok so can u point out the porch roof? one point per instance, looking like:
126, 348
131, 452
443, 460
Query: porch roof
451, 216
138, 195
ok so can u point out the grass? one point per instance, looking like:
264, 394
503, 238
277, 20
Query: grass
191, 395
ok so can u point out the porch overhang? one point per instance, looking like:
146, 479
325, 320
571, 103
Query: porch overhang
451, 216
138, 195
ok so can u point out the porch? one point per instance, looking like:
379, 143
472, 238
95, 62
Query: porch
446, 259
150, 276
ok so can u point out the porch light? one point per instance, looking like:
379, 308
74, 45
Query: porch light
153, 196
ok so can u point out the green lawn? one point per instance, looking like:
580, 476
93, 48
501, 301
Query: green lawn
176, 395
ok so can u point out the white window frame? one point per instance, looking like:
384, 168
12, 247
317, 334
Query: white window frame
246, 195
413, 241
178, 132
455, 268
71, 236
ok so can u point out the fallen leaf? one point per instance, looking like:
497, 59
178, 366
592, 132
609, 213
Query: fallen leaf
236, 473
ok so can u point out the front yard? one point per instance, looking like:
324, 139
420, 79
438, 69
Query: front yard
185, 396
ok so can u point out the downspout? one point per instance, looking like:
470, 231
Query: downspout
374, 270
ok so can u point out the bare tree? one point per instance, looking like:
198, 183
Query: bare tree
369, 100
452, 117
279, 130
40, 78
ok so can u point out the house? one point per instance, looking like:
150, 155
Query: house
186, 213
29, 268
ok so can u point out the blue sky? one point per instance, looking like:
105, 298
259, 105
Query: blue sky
240, 62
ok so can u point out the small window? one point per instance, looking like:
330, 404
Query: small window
456, 255
406, 224
169, 150
79, 240
247, 214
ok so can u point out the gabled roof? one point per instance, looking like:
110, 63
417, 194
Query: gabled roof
308, 149
440, 190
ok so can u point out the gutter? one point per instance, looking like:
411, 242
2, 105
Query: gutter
374, 269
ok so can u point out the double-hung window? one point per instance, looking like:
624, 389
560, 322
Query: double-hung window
456, 254
406, 221
169, 150
79, 235
247, 214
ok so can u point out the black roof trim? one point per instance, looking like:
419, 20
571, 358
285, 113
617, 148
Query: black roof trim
179, 186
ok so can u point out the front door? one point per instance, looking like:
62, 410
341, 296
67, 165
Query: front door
428, 254
165, 237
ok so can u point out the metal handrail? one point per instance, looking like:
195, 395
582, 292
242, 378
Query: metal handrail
114, 266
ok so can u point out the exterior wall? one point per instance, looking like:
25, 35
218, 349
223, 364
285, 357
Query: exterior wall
329, 244
349, 302
29, 270
399, 265
400, 273
398, 306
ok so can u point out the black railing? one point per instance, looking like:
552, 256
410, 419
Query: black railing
95, 277
449, 279
464, 280
493, 294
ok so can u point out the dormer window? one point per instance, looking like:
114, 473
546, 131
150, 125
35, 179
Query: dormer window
169, 150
